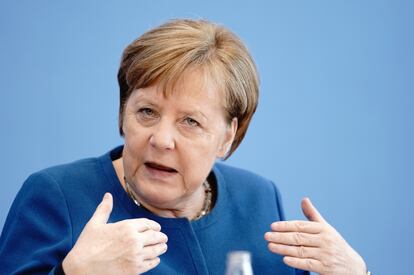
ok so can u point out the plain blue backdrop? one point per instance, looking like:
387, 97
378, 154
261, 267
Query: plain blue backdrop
335, 118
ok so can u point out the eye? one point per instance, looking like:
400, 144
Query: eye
146, 112
191, 122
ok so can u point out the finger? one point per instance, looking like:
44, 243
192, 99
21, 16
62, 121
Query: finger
103, 211
149, 264
311, 212
151, 237
293, 238
304, 264
294, 251
143, 224
153, 251
297, 226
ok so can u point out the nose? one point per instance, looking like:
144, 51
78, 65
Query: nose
162, 136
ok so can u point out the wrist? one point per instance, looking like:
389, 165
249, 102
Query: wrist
69, 265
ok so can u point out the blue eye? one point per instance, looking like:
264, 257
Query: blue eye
192, 122
148, 112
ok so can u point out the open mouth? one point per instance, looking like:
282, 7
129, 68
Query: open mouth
160, 167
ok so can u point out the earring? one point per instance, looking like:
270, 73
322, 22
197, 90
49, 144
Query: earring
227, 149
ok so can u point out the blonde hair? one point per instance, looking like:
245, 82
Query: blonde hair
164, 53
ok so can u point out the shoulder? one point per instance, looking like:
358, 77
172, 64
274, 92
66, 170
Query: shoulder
51, 204
73, 175
52, 188
75, 186
242, 178
88, 174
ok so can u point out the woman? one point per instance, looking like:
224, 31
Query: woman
188, 90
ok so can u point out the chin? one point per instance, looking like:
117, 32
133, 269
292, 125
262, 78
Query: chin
158, 196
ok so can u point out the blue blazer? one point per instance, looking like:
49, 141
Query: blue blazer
54, 205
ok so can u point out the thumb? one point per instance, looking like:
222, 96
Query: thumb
311, 212
103, 211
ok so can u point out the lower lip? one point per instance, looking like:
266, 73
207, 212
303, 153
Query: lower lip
159, 173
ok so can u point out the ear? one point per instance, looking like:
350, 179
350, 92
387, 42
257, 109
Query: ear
228, 138
122, 123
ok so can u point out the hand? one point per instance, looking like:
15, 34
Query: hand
314, 245
125, 247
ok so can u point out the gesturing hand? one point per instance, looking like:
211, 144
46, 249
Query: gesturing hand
314, 245
125, 247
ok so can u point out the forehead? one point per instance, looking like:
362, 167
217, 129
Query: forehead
195, 86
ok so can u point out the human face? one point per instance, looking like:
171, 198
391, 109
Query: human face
171, 142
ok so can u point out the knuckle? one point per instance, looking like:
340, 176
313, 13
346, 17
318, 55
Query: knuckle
159, 236
139, 244
327, 239
127, 227
127, 239
143, 220
325, 228
329, 254
149, 224
154, 235
330, 242
301, 251
309, 264
136, 251
318, 227
155, 250
297, 238
140, 258
327, 263
300, 226
280, 225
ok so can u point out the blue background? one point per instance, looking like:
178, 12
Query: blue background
335, 118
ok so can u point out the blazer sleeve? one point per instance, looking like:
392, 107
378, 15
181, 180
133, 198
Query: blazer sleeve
282, 218
37, 234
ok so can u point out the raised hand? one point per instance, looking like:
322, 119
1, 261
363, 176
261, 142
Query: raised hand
314, 245
126, 247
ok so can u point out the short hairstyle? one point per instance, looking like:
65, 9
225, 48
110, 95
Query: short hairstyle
163, 54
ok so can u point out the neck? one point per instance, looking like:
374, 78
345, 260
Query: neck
189, 208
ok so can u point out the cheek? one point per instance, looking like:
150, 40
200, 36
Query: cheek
135, 136
130, 159
135, 146
198, 158
200, 149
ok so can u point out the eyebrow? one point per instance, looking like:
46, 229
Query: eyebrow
154, 103
141, 98
196, 113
